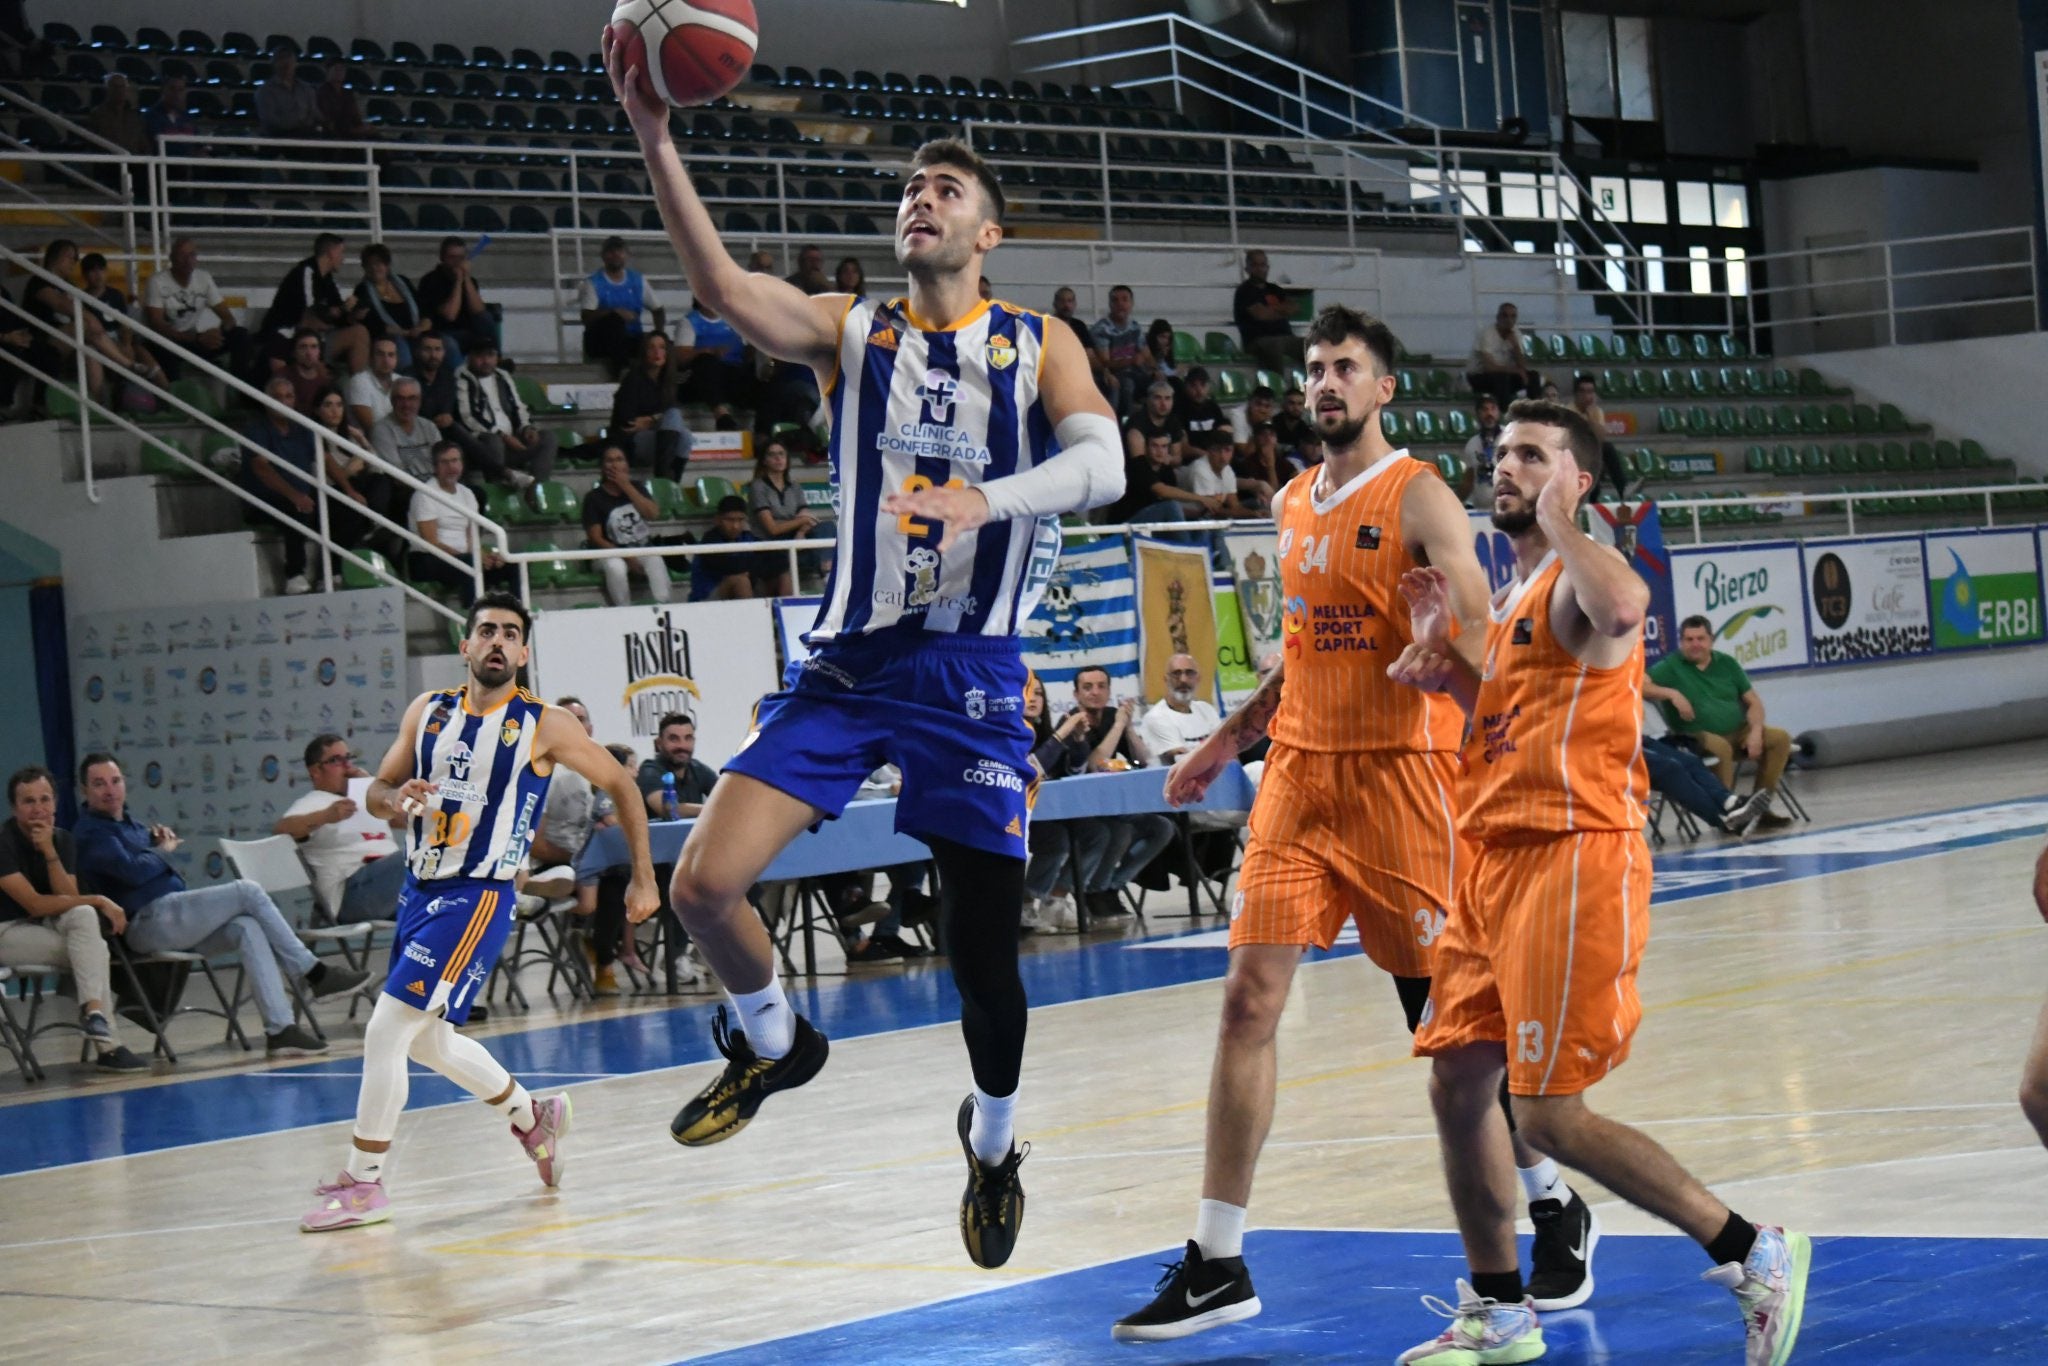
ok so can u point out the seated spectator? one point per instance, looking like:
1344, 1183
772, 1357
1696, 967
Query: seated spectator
675, 755
92, 275
55, 307
715, 578
1550, 394
1064, 302
1260, 407
1215, 482
1156, 418
309, 298
1152, 493
1291, 424
447, 515
1480, 448
1159, 352
282, 476
184, 304
118, 119
611, 301
287, 107
357, 867
1266, 461
762, 262
616, 513
46, 921
130, 861
338, 112
1263, 316
402, 437
776, 504
1500, 366
387, 303
646, 419
1586, 398
359, 482
850, 277
499, 423
809, 275
1119, 346
1057, 848
452, 303
1179, 721
170, 116
308, 374
369, 391
1194, 410
437, 398
712, 359
1707, 695
1113, 745
1681, 777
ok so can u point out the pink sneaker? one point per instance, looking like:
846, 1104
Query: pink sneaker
543, 1142
346, 1203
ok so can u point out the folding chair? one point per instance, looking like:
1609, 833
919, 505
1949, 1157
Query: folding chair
13, 1037
158, 1023
29, 979
273, 863
556, 925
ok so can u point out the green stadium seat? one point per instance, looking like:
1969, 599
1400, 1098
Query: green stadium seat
1947, 456
1841, 458
60, 404
1727, 422
1782, 381
1890, 420
221, 453
1756, 421
1670, 421
1811, 383
1920, 455
197, 395
710, 491
1702, 349
1756, 460
1559, 346
1810, 419
1534, 347
1974, 455
1784, 461
1395, 427
1407, 388
536, 398
1426, 428
1895, 460
1837, 420
1865, 418
1699, 422
1671, 347
504, 506
1221, 347
1455, 473
1643, 349
1813, 459
1642, 385
1266, 379
378, 573
1868, 458
1784, 420
555, 501
1697, 383
1186, 350
1436, 384
1644, 465
1458, 425
1726, 347
1232, 386
1588, 347
1670, 383
668, 498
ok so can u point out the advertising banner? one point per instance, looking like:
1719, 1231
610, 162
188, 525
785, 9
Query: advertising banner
1236, 668
1178, 614
710, 661
1637, 534
1754, 596
1088, 616
1867, 599
1255, 569
1984, 588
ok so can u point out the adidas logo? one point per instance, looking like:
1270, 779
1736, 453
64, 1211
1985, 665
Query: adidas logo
886, 339
1015, 827
418, 988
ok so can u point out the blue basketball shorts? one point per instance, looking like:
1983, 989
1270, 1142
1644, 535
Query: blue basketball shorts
450, 933
948, 711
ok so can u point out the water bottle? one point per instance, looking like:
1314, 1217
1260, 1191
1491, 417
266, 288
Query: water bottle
668, 796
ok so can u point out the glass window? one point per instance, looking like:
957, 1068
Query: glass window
1738, 271
1646, 201
1610, 195
1473, 183
1695, 204
1524, 248
1519, 197
1702, 270
1617, 269
1731, 206
1472, 245
1633, 68
1567, 260
1653, 268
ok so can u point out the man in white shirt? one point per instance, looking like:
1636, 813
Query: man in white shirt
402, 436
1177, 723
184, 304
357, 867
1501, 367
369, 392
1209, 476
446, 515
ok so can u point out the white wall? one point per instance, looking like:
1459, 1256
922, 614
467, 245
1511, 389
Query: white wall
1821, 699
1987, 387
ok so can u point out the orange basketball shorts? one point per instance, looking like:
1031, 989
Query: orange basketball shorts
1540, 955
1367, 837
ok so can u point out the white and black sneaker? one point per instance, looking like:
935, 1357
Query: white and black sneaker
1194, 1294
1561, 1262
1740, 815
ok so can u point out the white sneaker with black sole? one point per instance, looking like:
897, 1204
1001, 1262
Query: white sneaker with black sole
1561, 1261
1194, 1294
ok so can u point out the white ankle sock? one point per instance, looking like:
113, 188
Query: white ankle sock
988, 1133
517, 1107
1545, 1182
765, 1017
1219, 1230
366, 1166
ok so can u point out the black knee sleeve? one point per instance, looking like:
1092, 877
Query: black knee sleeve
981, 900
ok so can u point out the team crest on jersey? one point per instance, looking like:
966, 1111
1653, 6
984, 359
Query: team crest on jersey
1368, 537
923, 564
1002, 353
976, 702
459, 761
938, 390
1525, 630
508, 734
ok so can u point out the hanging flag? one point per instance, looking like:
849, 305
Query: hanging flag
1177, 612
1088, 615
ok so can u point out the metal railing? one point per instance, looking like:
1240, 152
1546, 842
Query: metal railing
316, 485
1826, 498
1904, 289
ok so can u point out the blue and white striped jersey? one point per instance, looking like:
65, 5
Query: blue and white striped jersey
489, 796
914, 407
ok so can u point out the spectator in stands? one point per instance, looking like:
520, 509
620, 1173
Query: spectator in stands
402, 437
573, 812
1152, 491
776, 504
1706, 694
184, 304
453, 304
1195, 411
1064, 303
1118, 343
446, 515
1479, 449
369, 391
92, 275
611, 301
170, 116
437, 396
1681, 777
675, 752
386, 303
357, 867
1550, 394
309, 298
287, 107
307, 373
1586, 398
1158, 417
1057, 847
349, 474
340, 116
646, 418
762, 262
809, 275
1262, 312
1179, 721
1500, 366
117, 119
282, 476
130, 861
712, 358
1265, 461
488, 406
715, 578
1159, 351
46, 921
1213, 479
850, 277
1260, 407
1291, 423
50, 305
616, 513
1114, 745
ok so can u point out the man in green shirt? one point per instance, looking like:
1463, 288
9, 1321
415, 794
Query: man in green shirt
1707, 695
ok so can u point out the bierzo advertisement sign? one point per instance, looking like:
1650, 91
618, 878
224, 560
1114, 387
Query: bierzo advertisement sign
1984, 588
1867, 599
1752, 595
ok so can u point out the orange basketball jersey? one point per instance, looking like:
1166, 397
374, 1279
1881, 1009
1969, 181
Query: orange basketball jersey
1344, 621
1556, 746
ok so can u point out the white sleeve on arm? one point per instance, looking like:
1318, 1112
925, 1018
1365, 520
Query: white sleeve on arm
1087, 473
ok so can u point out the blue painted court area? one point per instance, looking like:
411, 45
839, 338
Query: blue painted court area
1355, 1297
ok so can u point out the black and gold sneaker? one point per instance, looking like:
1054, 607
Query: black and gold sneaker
992, 1206
723, 1108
